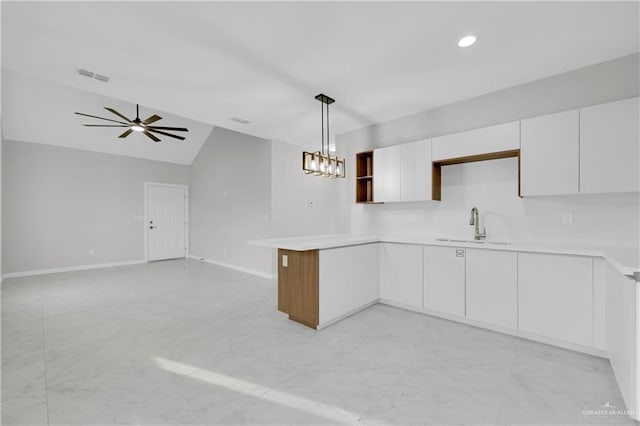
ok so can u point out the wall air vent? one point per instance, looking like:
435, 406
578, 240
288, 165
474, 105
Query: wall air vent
91, 74
240, 120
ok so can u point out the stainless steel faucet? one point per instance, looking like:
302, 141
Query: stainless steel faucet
475, 220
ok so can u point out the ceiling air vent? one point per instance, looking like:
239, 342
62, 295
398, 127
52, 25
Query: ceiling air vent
91, 74
85, 73
101, 77
240, 120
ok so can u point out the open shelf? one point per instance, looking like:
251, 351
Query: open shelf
364, 177
437, 167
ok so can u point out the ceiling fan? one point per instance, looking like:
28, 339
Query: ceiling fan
137, 125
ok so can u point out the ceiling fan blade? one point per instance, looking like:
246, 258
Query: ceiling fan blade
153, 138
106, 125
166, 134
175, 129
125, 134
152, 119
101, 118
113, 111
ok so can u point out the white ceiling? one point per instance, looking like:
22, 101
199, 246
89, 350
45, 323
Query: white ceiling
36, 110
211, 61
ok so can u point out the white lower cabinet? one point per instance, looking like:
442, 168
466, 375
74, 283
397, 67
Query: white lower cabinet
600, 303
444, 279
336, 295
492, 287
555, 296
401, 273
623, 335
366, 282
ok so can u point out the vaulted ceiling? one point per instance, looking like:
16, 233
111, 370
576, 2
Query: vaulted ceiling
264, 62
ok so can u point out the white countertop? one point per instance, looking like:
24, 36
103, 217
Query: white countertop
624, 259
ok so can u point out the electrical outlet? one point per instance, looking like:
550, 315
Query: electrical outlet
567, 218
285, 261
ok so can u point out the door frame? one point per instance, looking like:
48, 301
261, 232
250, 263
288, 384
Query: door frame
146, 215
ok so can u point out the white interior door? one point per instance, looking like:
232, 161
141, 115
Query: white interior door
166, 221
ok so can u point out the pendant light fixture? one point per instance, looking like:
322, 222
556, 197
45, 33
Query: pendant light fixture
321, 163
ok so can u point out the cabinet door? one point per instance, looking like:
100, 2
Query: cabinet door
416, 171
298, 285
502, 137
336, 283
555, 296
623, 334
600, 303
549, 154
492, 287
386, 174
366, 282
609, 151
444, 270
401, 273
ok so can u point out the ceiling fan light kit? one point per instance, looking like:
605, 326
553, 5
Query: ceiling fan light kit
137, 125
322, 163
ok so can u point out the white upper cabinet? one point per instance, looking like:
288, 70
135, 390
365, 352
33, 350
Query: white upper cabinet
402, 172
386, 174
549, 153
502, 137
609, 147
415, 171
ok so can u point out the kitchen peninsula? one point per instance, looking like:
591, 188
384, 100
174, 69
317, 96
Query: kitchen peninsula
583, 299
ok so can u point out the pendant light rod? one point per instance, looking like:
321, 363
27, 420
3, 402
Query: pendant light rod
322, 126
322, 163
325, 100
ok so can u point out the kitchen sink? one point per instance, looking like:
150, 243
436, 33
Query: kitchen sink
451, 240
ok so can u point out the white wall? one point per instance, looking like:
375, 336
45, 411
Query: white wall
1, 144
292, 191
609, 219
58, 203
231, 199
491, 186
246, 188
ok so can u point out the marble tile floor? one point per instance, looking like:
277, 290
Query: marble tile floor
187, 343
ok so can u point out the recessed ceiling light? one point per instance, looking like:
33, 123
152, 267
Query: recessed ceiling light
466, 41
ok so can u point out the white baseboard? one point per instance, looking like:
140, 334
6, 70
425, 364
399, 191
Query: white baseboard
234, 267
504, 330
70, 269
348, 314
